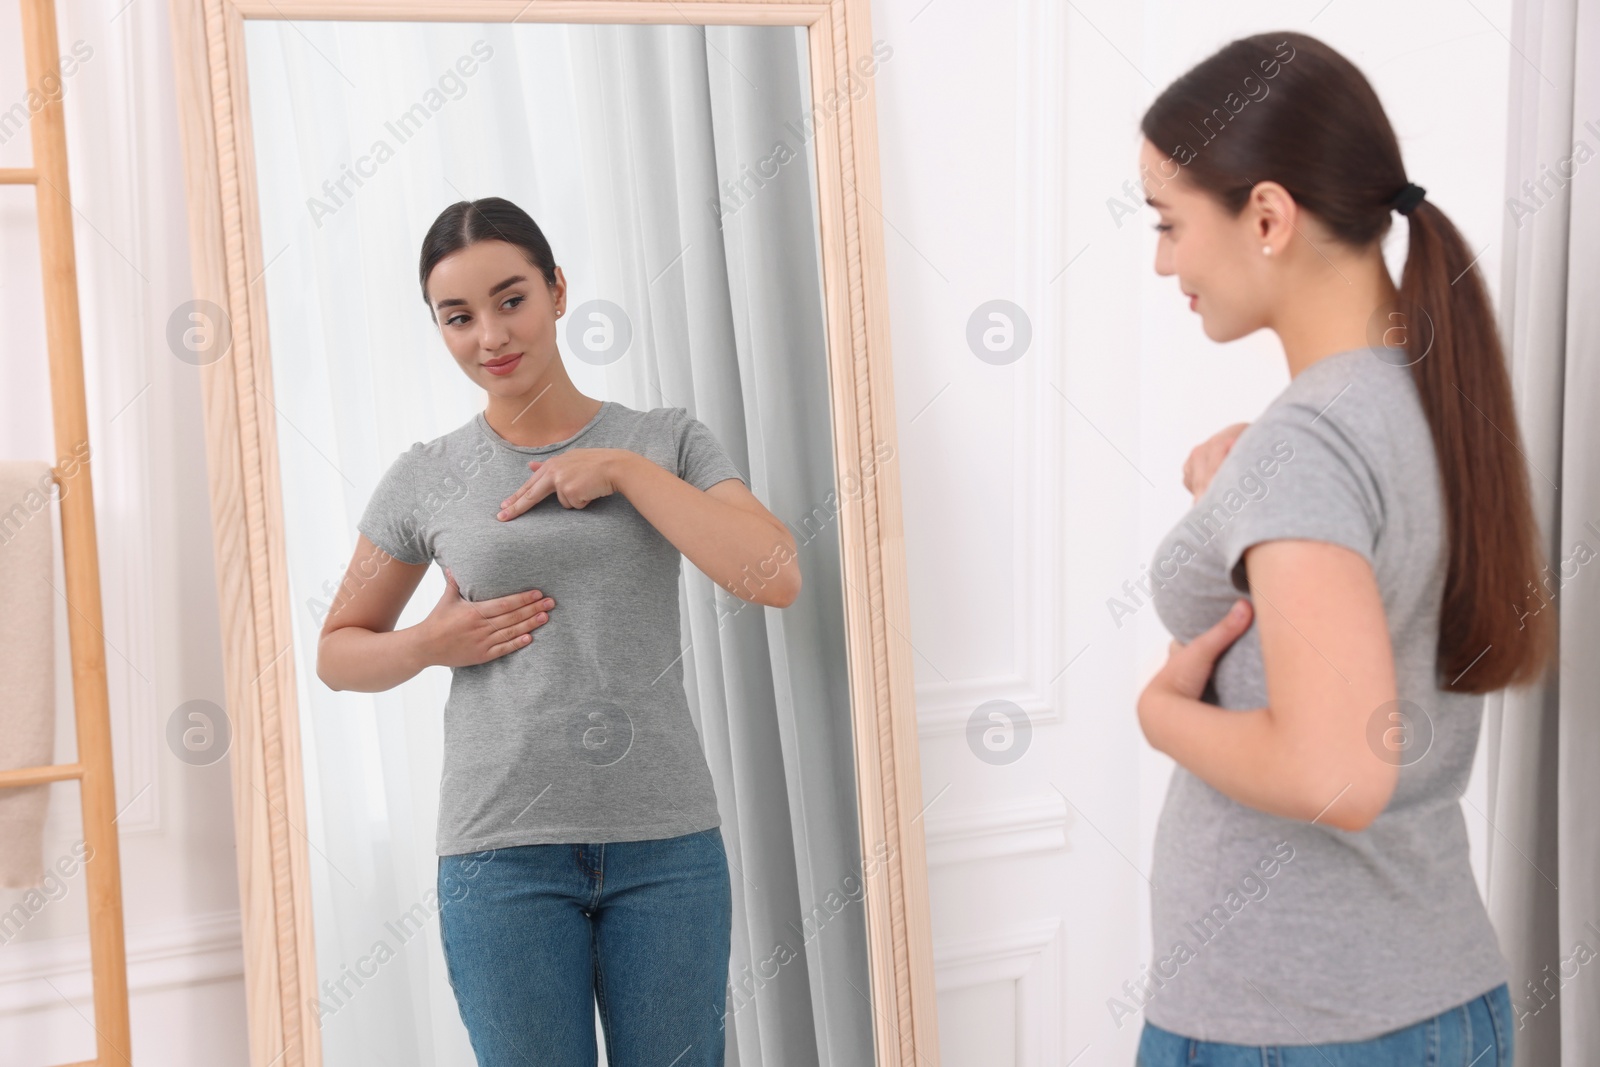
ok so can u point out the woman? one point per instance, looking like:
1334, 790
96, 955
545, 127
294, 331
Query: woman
580, 859
1312, 897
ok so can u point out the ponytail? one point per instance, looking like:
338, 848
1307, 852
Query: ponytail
1487, 637
1320, 131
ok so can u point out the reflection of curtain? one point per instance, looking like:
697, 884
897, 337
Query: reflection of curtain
1544, 856
707, 237
651, 157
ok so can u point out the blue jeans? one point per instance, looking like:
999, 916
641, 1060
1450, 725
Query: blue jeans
535, 936
1474, 1034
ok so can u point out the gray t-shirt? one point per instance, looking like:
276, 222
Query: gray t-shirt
1270, 930
584, 734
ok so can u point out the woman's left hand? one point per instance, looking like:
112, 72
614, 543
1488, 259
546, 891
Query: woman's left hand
1188, 667
577, 477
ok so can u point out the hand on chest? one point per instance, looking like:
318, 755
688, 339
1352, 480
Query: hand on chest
561, 551
1186, 582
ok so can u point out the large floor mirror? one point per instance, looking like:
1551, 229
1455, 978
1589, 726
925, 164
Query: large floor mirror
705, 175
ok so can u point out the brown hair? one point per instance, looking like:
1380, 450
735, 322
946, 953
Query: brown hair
1287, 108
492, 218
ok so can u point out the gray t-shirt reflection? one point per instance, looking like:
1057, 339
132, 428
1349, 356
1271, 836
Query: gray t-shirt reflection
584, 734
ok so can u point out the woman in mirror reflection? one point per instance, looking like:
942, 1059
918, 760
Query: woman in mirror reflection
1350, 580
581, 866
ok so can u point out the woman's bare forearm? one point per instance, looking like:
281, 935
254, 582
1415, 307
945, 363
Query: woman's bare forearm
370, 661
1241, 754
1253, 757
753, 559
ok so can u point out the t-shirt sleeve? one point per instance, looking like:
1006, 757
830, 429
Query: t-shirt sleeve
1294, 474
702, 461
390, 519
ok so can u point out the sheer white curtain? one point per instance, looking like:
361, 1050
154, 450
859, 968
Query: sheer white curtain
1544, 740
670, 167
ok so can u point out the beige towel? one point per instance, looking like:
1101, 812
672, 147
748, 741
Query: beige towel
27, 662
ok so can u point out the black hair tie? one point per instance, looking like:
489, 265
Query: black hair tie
1407, 199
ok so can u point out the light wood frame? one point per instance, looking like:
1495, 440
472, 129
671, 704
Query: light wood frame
80, 554
247, 515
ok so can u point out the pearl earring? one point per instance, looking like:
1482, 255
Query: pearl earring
1266, 250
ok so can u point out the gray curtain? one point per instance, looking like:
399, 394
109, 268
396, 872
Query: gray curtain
1544, 740
712, 251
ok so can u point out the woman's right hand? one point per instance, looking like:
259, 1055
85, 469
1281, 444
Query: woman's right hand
1207, 456
465, 633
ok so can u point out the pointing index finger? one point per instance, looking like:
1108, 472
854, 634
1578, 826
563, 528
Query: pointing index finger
533, 490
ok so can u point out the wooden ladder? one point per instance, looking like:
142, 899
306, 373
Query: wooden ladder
80, 556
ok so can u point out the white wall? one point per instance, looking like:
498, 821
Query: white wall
1005, 129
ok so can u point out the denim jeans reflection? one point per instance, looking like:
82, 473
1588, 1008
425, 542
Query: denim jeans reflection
544, 933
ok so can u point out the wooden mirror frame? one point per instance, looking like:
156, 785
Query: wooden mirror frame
247, 513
